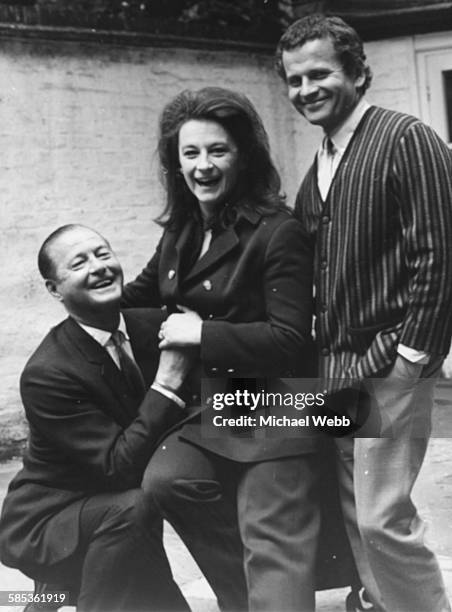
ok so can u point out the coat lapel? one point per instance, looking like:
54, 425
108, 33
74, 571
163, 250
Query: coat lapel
143, 326
176, 252
226, 241
182, 247
102, 368
220, 247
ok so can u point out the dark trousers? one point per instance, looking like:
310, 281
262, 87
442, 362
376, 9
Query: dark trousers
252, 528
119, 565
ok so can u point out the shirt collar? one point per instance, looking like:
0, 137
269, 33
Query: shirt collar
101, 335
342, 136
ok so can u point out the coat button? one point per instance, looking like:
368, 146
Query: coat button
171, 274
207, 285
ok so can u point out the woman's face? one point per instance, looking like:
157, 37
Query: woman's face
209, 160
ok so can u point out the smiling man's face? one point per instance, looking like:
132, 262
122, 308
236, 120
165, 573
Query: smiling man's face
317, 85
87, 276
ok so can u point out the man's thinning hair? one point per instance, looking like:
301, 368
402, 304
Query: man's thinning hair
46, 264
346, 41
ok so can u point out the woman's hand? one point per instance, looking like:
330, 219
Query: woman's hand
182, 329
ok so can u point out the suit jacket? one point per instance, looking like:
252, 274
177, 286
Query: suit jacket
87, 435
383, 262
253, 289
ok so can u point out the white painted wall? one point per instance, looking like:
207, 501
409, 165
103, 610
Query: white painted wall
77, 132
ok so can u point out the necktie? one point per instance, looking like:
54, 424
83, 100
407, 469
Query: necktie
325, 170
331, 152
130, 371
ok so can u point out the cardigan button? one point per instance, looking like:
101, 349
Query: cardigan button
171, 274
207, 285
231, 370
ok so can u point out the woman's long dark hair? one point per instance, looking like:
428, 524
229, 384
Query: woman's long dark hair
258, 183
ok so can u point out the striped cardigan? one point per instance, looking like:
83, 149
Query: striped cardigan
383, 263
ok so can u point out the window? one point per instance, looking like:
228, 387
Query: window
447, 78
434, 67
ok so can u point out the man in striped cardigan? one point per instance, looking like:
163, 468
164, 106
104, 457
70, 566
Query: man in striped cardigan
378, 202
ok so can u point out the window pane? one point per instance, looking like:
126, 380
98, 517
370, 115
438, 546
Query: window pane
447, 76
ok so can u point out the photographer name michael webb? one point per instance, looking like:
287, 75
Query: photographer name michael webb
265, 420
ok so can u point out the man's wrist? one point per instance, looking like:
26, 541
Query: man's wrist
168, 392
164, 385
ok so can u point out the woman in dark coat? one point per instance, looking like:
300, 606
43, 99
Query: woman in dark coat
234, 270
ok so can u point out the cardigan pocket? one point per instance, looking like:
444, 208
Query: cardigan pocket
362, 337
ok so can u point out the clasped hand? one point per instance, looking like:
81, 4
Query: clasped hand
181, 329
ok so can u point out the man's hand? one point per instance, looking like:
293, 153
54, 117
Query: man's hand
404, 368
173, 367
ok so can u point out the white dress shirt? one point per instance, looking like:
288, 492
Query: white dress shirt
327, 162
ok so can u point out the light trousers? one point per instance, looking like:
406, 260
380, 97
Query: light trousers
398, 570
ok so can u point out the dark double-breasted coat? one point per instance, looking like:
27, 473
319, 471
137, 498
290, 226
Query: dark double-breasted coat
253, 290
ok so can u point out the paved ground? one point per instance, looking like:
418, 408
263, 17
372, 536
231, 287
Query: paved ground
433, 496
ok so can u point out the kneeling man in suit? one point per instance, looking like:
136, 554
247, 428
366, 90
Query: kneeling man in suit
98, 395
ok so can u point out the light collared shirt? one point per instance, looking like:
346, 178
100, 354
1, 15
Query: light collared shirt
327, 162
207, 239
104, 338
327, 165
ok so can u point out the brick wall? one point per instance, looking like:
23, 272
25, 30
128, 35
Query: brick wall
77, 133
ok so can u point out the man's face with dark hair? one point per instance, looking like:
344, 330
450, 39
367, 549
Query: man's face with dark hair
318, 86
87, 274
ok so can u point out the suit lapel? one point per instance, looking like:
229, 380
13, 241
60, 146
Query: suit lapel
143, 326
102, 368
